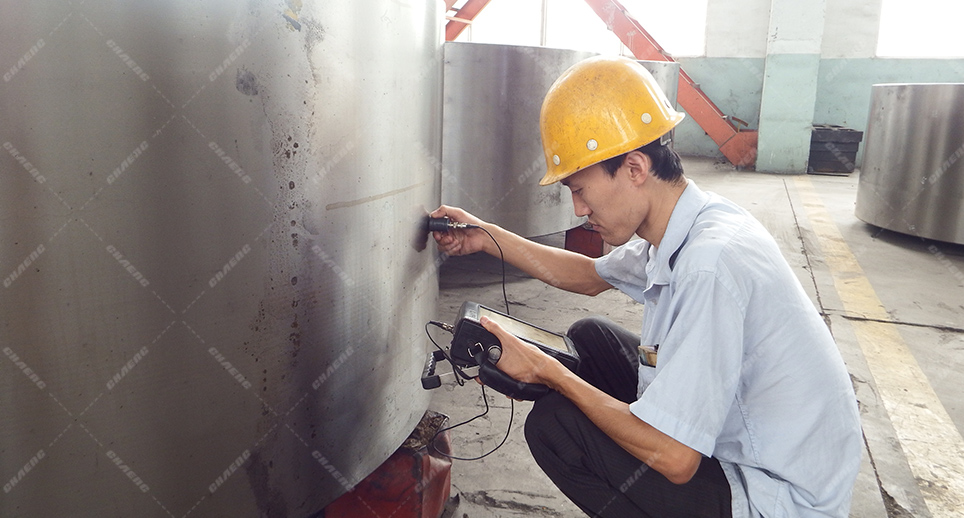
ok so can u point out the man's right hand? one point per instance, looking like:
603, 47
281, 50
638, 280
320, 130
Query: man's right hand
555, 266
460, 241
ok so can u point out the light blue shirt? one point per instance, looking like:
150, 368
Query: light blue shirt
747, 371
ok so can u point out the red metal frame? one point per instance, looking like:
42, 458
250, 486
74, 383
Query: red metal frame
464, 16
739, 147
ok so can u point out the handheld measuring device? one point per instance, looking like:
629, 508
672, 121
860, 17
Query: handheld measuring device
474, 347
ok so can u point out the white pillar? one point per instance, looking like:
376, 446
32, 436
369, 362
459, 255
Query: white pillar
794, 42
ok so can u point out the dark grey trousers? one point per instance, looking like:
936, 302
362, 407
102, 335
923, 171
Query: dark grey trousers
593, 471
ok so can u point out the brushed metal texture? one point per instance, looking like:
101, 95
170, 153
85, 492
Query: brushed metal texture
912, 179
214, 278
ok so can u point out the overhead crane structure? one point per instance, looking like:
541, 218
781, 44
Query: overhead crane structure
738, 145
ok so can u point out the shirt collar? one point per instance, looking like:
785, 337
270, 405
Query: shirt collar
687, 208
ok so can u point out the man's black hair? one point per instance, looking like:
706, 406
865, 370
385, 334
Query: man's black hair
666, 163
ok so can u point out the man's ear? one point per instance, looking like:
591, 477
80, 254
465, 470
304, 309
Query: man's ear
639, 165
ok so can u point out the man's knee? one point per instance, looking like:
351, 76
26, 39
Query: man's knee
543, 422
588, 326
539, 417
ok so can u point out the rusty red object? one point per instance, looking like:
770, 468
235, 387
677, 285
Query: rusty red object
584, 241
415, 482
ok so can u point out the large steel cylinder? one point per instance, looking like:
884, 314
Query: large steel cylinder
491, 150
912, 179
214, 281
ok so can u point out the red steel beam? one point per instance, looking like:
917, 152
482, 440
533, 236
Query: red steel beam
465, 15
739, 147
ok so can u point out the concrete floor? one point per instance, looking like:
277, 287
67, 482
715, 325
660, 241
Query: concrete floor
895, 304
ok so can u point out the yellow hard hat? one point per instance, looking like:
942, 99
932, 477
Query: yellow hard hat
600, 108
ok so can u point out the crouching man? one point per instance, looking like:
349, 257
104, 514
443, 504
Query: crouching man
734, 401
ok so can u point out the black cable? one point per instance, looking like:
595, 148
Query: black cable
502, 257
455, 368
444, 224
459, 374
447, 428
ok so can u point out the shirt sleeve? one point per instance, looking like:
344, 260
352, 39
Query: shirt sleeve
699, 363
625, 268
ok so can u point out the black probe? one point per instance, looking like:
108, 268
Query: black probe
445, 224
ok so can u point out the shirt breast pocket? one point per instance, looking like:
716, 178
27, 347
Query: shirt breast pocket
647, 366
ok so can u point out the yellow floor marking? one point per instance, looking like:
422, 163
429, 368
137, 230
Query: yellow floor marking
932, 444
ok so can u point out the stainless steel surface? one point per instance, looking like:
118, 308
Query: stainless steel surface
912, 180
666, 75
491, 149
213, 283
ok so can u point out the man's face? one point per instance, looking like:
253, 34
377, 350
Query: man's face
607, 202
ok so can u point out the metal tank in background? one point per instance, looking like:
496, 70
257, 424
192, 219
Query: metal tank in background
491, 149
214, 280
912, 179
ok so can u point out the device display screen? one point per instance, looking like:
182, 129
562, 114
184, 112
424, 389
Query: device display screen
525, 331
